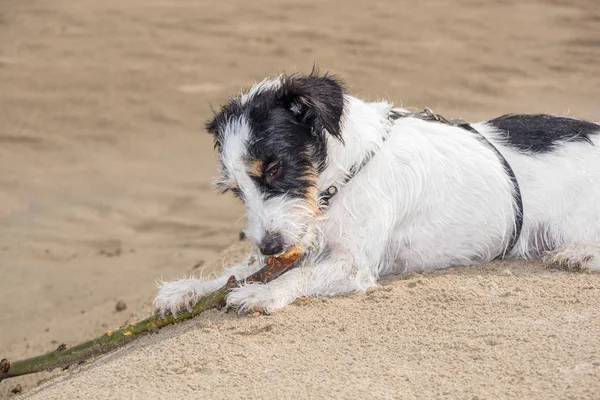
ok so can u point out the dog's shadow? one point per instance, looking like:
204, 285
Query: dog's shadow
517, 267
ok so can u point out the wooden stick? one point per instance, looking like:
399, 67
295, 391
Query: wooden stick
65, 356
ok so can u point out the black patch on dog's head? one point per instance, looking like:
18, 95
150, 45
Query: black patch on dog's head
540, 133
289, 124
316, 102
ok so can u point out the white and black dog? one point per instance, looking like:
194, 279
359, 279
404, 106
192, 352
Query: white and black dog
367, 190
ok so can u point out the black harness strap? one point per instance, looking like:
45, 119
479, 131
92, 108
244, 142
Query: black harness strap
428, 115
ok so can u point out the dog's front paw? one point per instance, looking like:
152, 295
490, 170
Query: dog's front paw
258, 297
180, 295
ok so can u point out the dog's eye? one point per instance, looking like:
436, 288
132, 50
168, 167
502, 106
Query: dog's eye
273, 169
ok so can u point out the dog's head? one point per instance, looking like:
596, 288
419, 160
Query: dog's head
272, 142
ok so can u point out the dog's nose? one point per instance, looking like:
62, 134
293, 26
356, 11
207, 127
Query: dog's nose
271, 244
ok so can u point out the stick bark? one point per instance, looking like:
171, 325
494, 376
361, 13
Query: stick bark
64, 356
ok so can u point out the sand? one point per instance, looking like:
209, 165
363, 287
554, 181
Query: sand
105, 185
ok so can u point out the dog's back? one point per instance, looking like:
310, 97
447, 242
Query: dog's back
557, 163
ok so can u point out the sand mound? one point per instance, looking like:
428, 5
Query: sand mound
497, 331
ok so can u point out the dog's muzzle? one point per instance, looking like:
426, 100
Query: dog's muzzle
271, 244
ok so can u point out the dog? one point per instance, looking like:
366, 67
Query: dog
367, 189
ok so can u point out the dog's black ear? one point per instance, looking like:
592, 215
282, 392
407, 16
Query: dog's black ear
316, 101
212, 126
219, 119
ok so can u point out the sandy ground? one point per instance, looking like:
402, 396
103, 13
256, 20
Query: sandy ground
105, 185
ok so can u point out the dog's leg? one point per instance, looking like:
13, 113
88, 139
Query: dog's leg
575, 257
181, 294
332, 276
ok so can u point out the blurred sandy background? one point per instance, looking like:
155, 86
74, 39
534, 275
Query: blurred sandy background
105, 177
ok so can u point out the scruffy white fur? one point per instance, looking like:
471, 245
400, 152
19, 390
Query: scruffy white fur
433, 196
